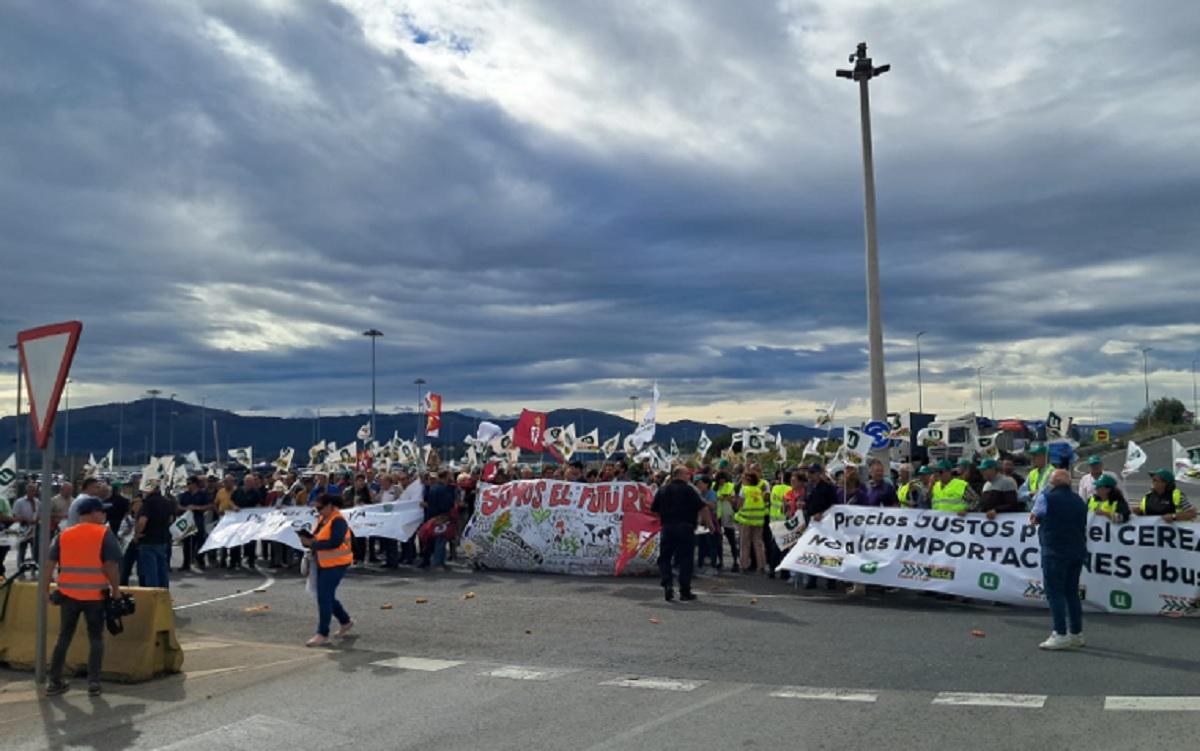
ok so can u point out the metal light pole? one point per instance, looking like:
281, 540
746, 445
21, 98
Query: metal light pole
992, 401
17, 426
203, 430
920, 398
1146, 380
374, 334
1195, 413
171, 426
67, 422
979, 375
420, 409
863, 72
121, 434
634, 399
153, 422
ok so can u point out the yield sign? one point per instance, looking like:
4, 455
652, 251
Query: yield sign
46, 354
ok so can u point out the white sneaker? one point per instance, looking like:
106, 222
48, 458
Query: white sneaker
1056, 641
1077, 641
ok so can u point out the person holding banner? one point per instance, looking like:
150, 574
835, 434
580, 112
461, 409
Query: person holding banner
820, 496
330, 543
1108, 501
1165, 500
1061, 518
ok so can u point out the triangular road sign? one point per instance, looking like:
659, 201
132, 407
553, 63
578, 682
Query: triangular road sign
46, 354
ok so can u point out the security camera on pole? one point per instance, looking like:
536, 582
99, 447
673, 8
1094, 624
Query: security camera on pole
45, 354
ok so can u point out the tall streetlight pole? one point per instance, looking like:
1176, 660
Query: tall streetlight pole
863, 72
17, 427
992, 401
67, 421
374, 334
1195, 404
153, 421
1146, 379
121, 434
979, 375
419, 383
203, 428
920, 397
633, 409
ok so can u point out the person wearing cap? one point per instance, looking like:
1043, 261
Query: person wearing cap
999, 491
1061, 518
974, 479
1035, 481
725, 490
88, 557
949, 492
1165, 499
1108, 501
917, 492
1087, 483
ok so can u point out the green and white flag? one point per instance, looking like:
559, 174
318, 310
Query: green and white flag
589, 442
609, 447
704, 444
8, 477
780, 447
284, 462
243, 456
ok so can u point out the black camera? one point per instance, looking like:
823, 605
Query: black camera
115, 610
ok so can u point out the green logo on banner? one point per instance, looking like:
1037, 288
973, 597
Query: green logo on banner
989, 581
1120, 600
869, 567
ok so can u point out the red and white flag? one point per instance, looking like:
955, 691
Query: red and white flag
433, 414
530, 432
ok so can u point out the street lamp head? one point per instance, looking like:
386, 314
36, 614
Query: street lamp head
419, 382
372, 332
863, 69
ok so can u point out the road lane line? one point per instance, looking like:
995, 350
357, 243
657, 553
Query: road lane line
1153, 703
660, 684
971, 699
824, 694
268, 580
519, 673
622, 740
417, 663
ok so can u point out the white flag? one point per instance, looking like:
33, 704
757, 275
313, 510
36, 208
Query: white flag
1185, 469
364, 433
192, 461
554, 436
502, 443
931, 437
645, 429
243, 456
589, 442
779, 445
704, 444
899, 433
569, 437
316, 455
1134, 459
812, 448
611, 445
284, 462
1058, 427
825, 415
407, 451
674, 449
985, 445
627, 445
472, 458
854, 446
106, 462
347, 456
753, 442
487, 431
8, 477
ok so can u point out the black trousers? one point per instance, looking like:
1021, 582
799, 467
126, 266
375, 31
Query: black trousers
93, 614
676, 546
774, 556
731, 537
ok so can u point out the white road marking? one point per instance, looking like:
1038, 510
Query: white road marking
258, 731
824, 694
518, 673
268, 580
199, 644
970, 699
622, 740
417, 663
660, 684
1153, 703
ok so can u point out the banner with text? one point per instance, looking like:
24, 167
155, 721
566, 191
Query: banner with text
398, 521
560, 527
1146, 566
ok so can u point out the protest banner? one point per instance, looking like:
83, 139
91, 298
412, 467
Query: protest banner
788, 532
397, 521
1142, 567
561, 527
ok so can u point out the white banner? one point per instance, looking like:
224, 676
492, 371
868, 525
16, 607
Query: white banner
398, 521
1146, 566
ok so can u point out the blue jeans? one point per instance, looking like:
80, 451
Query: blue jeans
1060, 579
328, 606
439, 551
154, 563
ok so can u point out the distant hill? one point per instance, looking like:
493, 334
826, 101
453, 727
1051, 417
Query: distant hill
127, 426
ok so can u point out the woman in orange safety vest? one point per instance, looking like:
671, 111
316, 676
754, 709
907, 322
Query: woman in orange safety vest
330, 543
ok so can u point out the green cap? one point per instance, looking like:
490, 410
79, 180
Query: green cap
989, 464
1093, 460
965, 462
1105, 481
1165, 475
944, 466
924, 471
1037, 448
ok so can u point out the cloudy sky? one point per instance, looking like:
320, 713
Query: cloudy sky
555, 203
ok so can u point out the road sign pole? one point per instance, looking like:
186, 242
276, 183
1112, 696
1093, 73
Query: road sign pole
43, 538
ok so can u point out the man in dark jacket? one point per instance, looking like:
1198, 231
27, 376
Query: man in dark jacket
1061, 518
999, 491
820, 496
679, 507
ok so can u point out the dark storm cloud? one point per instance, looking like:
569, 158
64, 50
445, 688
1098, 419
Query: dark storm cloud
227, 193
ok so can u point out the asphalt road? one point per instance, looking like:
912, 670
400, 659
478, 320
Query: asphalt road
1158, 455
521, 661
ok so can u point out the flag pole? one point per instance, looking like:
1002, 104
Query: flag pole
43, 539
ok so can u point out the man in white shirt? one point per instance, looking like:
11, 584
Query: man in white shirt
1087, 484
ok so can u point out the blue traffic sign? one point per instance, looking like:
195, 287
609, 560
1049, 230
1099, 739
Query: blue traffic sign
878, 431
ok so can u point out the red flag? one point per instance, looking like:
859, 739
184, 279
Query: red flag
530, 431
433, 414
364, 461
638, 528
